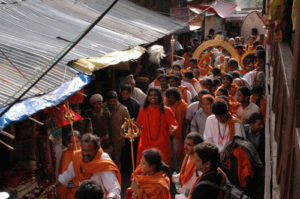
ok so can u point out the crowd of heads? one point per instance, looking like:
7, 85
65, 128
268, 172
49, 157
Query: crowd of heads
223, 88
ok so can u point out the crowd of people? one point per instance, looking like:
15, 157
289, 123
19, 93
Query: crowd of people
201, 119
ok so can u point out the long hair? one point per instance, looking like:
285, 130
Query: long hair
160, 99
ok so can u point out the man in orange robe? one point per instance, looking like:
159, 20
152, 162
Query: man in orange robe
188, 174
179, 107
65, 192
92, 163
187, 56
158, 123
204, 65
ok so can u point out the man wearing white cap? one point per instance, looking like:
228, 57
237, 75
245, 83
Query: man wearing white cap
100, 117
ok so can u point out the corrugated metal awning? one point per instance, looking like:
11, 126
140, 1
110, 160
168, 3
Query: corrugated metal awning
33, 32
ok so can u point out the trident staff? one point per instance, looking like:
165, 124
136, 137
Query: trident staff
130, 129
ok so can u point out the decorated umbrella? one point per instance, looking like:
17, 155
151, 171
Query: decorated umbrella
253, 20
221, 8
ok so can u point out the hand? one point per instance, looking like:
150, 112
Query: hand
135, 185
175, 177
181, 190
135, 188
52, 187
173, 128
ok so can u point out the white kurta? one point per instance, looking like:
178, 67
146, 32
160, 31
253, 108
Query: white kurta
186, 187
191, 110
139, 96
189, 97
191, 88
218, 133
107, 180
245, 113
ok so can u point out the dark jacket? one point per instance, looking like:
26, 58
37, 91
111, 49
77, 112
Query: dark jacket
101, 125
132, 105
206, 191
258, 141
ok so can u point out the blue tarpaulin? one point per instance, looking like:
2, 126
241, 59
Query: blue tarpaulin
21, 110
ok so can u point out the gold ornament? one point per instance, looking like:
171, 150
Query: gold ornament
130, 129
218, 41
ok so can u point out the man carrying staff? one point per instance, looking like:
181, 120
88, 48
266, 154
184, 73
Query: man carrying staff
92, 163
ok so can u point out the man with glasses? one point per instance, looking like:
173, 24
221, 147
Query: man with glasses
199, 120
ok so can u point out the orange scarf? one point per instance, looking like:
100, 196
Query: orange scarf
230, 123
156, 83
243, 81
179, 109
186, 60
233, 89
245, 170
95, 166
66, 158
262, 104
62, 191
187, 170
152, 186
183, 92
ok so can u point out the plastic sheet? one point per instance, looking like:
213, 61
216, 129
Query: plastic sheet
21, 110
